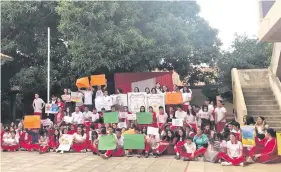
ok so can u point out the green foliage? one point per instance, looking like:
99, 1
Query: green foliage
246, 53
210, 91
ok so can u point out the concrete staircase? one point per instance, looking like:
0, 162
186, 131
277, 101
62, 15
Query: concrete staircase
261, 102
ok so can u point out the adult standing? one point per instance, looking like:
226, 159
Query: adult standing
88, 97
38, 105
66, 98
220, 114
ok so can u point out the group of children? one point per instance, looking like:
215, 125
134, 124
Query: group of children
200, 136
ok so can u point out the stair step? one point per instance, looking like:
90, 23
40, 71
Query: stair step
263, 107
263, 112
254, 93
257, 97
271, 117
274, 123
261, 102
256, 89
277, 128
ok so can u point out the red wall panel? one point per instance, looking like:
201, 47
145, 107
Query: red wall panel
124, 80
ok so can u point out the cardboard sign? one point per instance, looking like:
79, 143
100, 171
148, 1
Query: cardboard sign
68, 119
76, 97
51, 108
83, 82
152, 130
65, 142
103, 102
177, 122
155, 100
133, 141
98, 80
136, 100
32, 121
173, 98
144, 117
46, 122
122, 125
107, 142
248, 135
110, 117
278, 137
131, 117
120, 99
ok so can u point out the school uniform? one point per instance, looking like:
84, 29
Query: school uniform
43, 144
161, 148
54, 142
162, 119
25, 141
119, 151
268, 151
220, 114
9, 143
79, 143
233, 156
205, 118
179, 145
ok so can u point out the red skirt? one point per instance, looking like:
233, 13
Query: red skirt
11, 148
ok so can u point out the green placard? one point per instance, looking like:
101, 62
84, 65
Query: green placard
110, 117
133, 141
144, 117
107, 142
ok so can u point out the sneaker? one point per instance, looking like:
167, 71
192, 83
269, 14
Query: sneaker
61, 152
242, 164
139, 155
155, 155
130, 154
225, 163
178, 157
185, 159
146, 155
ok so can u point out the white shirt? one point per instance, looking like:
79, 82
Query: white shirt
186, 97
95, 117
79, 138
204, 115
87, 114
234, 149
180, 115
162, 118
79, 103
88, 97
210, 108
38, 105
78, 117
99, 93
190, 148
220, 112
181, 90
120, 141
191, 119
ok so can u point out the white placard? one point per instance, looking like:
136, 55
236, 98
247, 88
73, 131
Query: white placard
136, 100
46, 122
131, 117
177, 122
153, 131
68, 119
120, 99
103, 102
65, 142
122, 114
186, 97
122, 125
51, 108
155, 100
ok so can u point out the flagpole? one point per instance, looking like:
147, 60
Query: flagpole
48, 69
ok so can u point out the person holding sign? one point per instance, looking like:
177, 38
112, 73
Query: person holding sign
43, 142
139, 151
66, 98
234, 155
186, 96
152, 143
38, 104
154, 118
161, 117
88, 97
79, 140
180, 114
267, 153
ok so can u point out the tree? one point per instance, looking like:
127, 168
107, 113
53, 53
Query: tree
136, 36
247, 53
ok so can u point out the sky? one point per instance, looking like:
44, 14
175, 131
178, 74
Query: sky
230, 17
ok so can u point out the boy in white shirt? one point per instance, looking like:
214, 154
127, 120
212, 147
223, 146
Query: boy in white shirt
88, 97
180, 114
78, 117
190, 148
38, 105
220, 114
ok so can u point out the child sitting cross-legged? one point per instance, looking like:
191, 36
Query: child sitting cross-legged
190, 150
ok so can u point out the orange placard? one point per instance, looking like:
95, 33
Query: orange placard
173, 98
98, 80
32, 121
83, 82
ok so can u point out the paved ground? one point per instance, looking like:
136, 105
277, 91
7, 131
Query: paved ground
87, 162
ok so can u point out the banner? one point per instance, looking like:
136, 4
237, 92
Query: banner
46, 122
51, 108
173, 98
32, 121
103, 102
136, 100
144, 117
83, 82
98, 80
248, 136
107, 142
122, 125
133, 141
156, 100
152, 130
131, 117
278, 137
76, 96
177, 122
66, 98
110, 117
65, 142
120, 99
